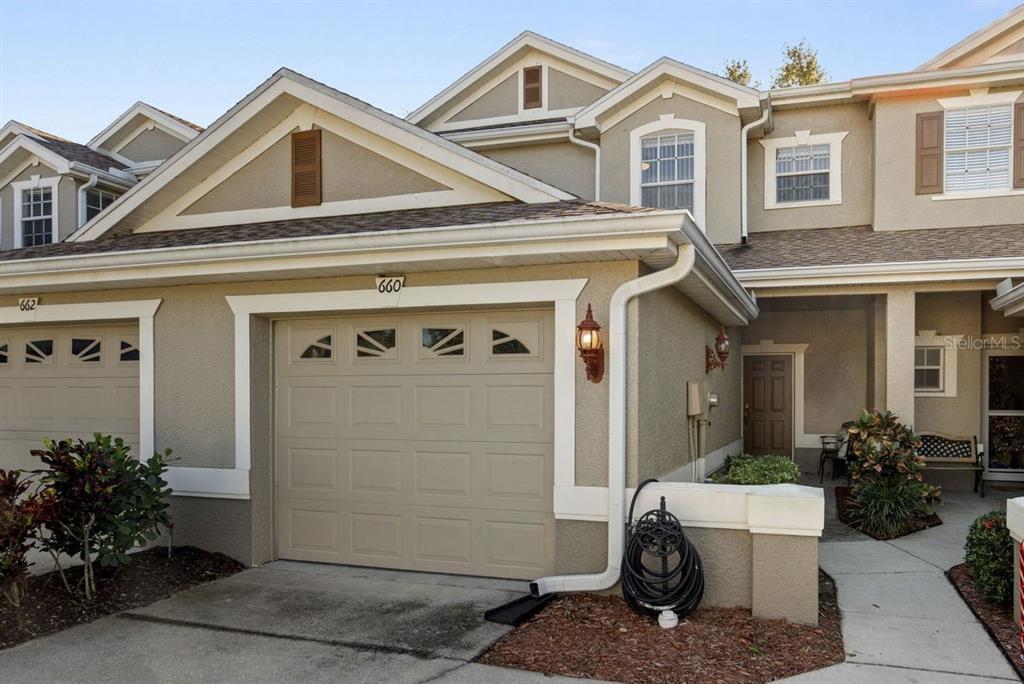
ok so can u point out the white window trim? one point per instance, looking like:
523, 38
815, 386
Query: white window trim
562, 293
668, 122
543, 90
980, 97
835, 164
948, 345
53, 182
143, 310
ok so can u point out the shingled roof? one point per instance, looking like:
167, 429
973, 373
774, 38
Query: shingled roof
863, 245
72, 151
353, 224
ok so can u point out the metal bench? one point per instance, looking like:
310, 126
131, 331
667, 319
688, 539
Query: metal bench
952, 452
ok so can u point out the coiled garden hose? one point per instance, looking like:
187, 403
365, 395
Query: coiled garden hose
661, 569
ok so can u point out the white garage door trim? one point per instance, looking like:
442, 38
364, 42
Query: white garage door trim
142, 310
562, 293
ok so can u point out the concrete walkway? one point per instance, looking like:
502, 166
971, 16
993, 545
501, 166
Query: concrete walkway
902, 619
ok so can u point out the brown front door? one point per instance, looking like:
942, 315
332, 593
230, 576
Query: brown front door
768, 405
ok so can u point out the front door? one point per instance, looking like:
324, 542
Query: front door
1004, 415
768, 404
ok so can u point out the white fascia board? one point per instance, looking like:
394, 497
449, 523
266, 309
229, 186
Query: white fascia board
33, 146
1011, 303
743, 96
975, 40
175, 127
710, 260
980, 74
882, 273
510, 134
526, 39
482, 169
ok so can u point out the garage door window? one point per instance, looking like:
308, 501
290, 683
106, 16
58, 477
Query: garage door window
4, 354
321, 349
129, 352
505, 343
39, 351
85, 349
377, 343
441, 342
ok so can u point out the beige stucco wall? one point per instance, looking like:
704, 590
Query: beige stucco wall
350, 172
673, 333
563, 164
856, 208
151, 145
565, 91
67, 204
896, 205
501, 100
723, 160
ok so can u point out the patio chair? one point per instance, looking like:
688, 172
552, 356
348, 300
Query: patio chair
830, 447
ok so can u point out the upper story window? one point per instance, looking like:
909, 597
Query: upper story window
35, 211
978, 147
668, 165
96, 201
803, 170
533, 87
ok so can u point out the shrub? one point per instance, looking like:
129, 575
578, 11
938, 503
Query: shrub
990, 557
106, 502
21, 517
759, 470
888, 491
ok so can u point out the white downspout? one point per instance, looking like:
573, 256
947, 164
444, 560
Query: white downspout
743, 172
597, 162
85, 187
617, 427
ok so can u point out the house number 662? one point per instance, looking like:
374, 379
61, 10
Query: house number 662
390, 284
28, 303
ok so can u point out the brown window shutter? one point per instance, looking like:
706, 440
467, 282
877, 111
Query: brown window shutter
306, 168
929, 153
1018, 145
532, 98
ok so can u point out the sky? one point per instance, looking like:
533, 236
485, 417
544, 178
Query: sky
71, 68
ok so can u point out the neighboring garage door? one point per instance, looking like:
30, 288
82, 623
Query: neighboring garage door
421, 442
68, 381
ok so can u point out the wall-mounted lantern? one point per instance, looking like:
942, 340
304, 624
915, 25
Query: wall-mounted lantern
588, 341
715, 358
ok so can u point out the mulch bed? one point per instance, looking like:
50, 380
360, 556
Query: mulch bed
842, 506
150, 576
998, 619
588, 635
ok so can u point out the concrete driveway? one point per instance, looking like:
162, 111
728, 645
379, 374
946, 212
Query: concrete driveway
287, 622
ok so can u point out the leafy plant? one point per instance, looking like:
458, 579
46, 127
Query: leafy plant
759, 470
990, 557
800, 68
738, 71
21, 517
106, 502
889, 491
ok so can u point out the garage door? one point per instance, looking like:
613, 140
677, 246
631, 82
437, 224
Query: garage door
68, 381
419, 442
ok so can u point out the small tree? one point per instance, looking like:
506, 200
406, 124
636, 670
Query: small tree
989, 556
106, 501
21, 517
800, 68
738, 71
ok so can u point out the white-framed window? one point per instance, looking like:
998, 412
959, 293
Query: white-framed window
935, 364
978, 148
35, 211
668, 165
97, 200
803, 170
928, 369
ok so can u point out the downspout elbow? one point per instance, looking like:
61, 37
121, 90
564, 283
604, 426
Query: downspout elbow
597, 161
84, 188
743, 170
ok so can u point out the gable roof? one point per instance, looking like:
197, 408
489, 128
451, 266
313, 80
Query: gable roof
1014, 19
663, 68
525, 40
284, 90
186, 130
66, 149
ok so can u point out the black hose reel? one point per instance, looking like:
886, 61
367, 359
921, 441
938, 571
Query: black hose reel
661, 569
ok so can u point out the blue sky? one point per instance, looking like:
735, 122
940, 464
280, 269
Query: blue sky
72, 67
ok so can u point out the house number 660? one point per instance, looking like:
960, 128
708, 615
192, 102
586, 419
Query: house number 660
390, 284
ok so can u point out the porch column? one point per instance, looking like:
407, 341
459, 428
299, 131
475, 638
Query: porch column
899, 353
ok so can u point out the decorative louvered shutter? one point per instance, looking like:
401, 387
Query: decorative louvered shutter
306, 168
929, 153
1018, 145
532, 98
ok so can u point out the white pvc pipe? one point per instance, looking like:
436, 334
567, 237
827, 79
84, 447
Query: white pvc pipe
617, 427
597, 162
743, 172
82, 189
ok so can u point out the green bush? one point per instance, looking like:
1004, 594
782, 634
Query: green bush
758, 470
886, 506
990, 557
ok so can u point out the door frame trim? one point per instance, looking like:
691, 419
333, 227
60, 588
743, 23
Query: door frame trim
796, 352
993, 475
562, 293
141, 310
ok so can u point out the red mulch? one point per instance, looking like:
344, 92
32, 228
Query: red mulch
587, 635
150, 576
842, 503
998, 619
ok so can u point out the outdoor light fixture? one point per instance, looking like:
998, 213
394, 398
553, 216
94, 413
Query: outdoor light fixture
715, 358
588, 341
